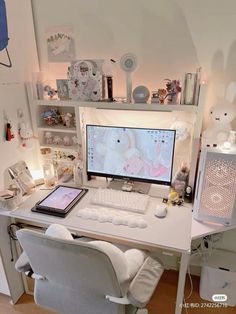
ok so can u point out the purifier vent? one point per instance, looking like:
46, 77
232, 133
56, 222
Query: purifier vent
220, 172
218, 187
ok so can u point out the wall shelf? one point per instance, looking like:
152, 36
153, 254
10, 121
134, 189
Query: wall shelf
61, 147
57, 128
117, 106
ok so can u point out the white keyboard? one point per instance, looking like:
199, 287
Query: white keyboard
116, 217
129, 201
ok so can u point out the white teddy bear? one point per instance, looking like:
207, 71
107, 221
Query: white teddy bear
218, 132
118, 146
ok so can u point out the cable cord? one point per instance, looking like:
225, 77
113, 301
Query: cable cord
191, 289
11, 229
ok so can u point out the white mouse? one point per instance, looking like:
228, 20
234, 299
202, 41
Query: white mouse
161, 211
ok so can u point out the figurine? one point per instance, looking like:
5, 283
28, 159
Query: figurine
188, 196
48, 137
173, 89
161, 95
66, 140
75, 140
51, 92
67, 119
51, 116
180, 181
9, 133
57, 140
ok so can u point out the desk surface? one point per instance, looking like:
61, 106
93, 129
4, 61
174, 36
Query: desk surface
172, 232
200, 229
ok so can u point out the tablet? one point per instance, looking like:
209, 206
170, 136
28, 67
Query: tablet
60, 201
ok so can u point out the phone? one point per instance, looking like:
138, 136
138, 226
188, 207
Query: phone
20, 173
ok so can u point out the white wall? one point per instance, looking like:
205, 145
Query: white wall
169, 37
23, 53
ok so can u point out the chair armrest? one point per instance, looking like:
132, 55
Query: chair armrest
145, 282
22, 264
123, 300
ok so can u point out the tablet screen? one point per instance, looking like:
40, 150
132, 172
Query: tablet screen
61, 198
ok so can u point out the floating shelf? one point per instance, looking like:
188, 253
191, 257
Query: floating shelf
118, 106
57, 128
62, 147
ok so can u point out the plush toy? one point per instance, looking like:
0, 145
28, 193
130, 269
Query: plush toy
218, 132
67, 119
117, 147
48, 137
26, 136
182, 128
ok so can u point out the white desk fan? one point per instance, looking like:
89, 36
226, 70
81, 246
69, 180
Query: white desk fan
128, 63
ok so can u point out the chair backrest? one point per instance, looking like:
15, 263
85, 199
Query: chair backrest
78, 276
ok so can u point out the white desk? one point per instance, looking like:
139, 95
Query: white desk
172, 233
201, 229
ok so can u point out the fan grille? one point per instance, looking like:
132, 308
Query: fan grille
219, 187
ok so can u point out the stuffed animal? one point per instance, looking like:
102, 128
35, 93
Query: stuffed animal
67, 119
218, 132
182, 128
26, 136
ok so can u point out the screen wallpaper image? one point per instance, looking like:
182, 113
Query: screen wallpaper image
61, 198
130, 152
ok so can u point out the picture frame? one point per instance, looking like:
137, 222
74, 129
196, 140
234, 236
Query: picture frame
63, 89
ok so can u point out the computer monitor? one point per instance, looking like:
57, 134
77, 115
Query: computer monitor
128, 153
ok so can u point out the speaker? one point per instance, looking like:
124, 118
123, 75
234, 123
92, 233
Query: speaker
215, 196
128, 63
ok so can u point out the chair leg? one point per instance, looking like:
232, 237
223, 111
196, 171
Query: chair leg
142, 311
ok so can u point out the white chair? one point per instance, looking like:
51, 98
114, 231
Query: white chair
73, 276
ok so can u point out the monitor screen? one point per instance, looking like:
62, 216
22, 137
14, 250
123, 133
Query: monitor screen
141, 154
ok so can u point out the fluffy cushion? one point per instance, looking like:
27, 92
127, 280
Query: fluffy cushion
135, 259
117, 258
58, 231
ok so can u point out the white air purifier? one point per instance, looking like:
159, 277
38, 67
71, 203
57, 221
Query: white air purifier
215, 196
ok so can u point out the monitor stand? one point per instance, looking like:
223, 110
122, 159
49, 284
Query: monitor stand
129, 186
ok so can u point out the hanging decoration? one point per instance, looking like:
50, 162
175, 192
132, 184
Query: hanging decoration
9, 132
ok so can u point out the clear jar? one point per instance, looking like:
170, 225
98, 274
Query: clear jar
49, 174
48, 168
